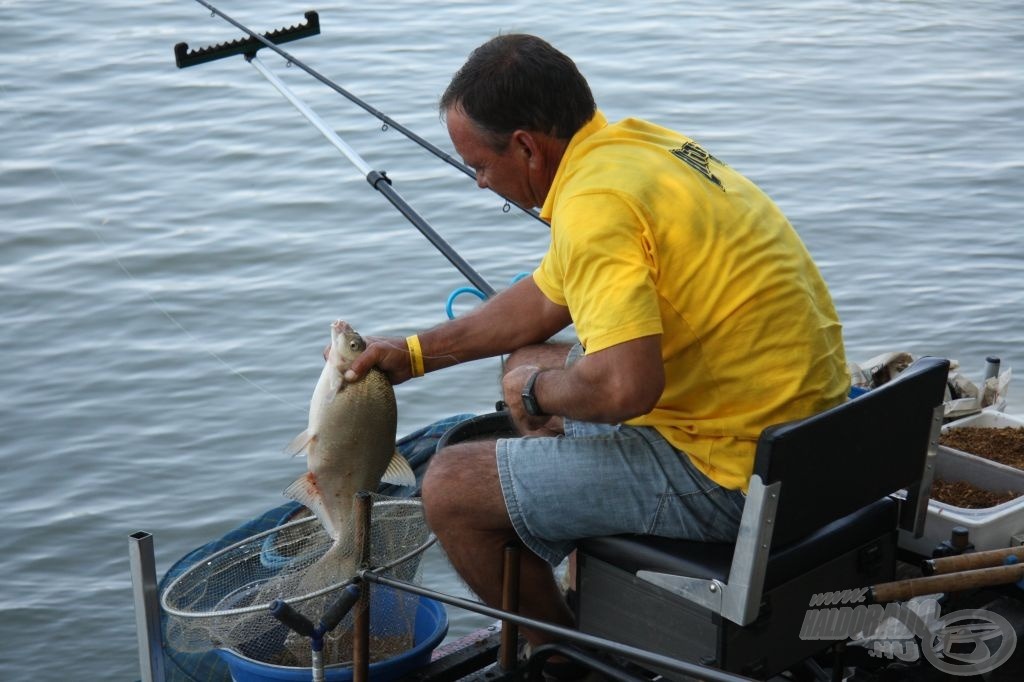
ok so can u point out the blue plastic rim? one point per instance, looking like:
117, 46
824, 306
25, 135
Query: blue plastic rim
431, 626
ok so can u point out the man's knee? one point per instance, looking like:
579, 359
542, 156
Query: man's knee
455, 473
438, 481
461, 487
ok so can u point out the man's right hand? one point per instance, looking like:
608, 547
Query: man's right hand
388, 354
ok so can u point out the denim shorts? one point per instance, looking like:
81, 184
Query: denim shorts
608, 479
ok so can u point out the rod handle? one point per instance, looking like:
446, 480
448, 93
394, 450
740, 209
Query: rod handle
902, 590
972, 560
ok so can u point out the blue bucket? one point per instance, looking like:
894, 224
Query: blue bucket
430, 628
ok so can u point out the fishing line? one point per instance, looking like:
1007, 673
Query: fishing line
365, 106
163, 311
205, 348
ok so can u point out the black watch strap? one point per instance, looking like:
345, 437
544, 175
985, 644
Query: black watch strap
529, 395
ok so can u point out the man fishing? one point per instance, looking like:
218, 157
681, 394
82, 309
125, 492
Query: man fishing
701, 319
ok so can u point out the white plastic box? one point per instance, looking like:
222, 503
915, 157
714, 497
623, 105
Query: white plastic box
990, 528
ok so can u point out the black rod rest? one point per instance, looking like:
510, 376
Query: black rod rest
248, 46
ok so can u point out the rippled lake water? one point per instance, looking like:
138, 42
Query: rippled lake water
174, 243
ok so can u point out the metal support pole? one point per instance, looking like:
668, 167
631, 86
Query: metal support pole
312, 117
377, 180
361, 625
697, 670
510, 603
147, 606
387, 121
839, 661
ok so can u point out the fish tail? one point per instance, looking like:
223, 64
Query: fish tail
336, 565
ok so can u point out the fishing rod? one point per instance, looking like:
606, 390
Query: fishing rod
377, 179
388, 122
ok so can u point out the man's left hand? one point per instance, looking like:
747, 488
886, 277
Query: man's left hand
512, 387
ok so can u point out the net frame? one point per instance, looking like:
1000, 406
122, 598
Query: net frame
202, 621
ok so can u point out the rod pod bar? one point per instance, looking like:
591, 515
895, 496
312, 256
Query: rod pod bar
365, 106
377, 179
248, 46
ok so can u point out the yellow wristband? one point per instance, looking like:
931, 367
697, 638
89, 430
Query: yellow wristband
415, 355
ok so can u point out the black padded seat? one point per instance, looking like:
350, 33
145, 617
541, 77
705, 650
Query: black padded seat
633, 553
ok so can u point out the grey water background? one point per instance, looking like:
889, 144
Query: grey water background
174, 243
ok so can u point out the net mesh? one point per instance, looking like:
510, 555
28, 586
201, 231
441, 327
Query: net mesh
224, 600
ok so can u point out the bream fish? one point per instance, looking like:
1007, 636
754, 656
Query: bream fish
349, 442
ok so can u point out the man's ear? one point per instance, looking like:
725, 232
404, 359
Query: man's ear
524, 143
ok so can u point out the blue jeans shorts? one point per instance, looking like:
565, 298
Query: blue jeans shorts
607, 479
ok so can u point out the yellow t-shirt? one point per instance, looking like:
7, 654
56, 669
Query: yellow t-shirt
650, 235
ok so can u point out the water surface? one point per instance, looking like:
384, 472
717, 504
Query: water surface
174, 243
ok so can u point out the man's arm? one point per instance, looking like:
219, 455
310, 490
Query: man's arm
609, 386
516, 317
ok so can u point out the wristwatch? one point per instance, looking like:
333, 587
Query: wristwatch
530, 403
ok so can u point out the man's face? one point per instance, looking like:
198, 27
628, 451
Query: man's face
506, 172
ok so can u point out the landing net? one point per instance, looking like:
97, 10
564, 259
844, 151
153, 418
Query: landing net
224, 600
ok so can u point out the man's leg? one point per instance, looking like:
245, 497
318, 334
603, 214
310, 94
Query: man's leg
465, 508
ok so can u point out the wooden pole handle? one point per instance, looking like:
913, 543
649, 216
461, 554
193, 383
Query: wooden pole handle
972, 560
902, 590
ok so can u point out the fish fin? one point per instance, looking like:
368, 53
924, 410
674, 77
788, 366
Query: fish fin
335, 383
399, 472
301, 442
305, 491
